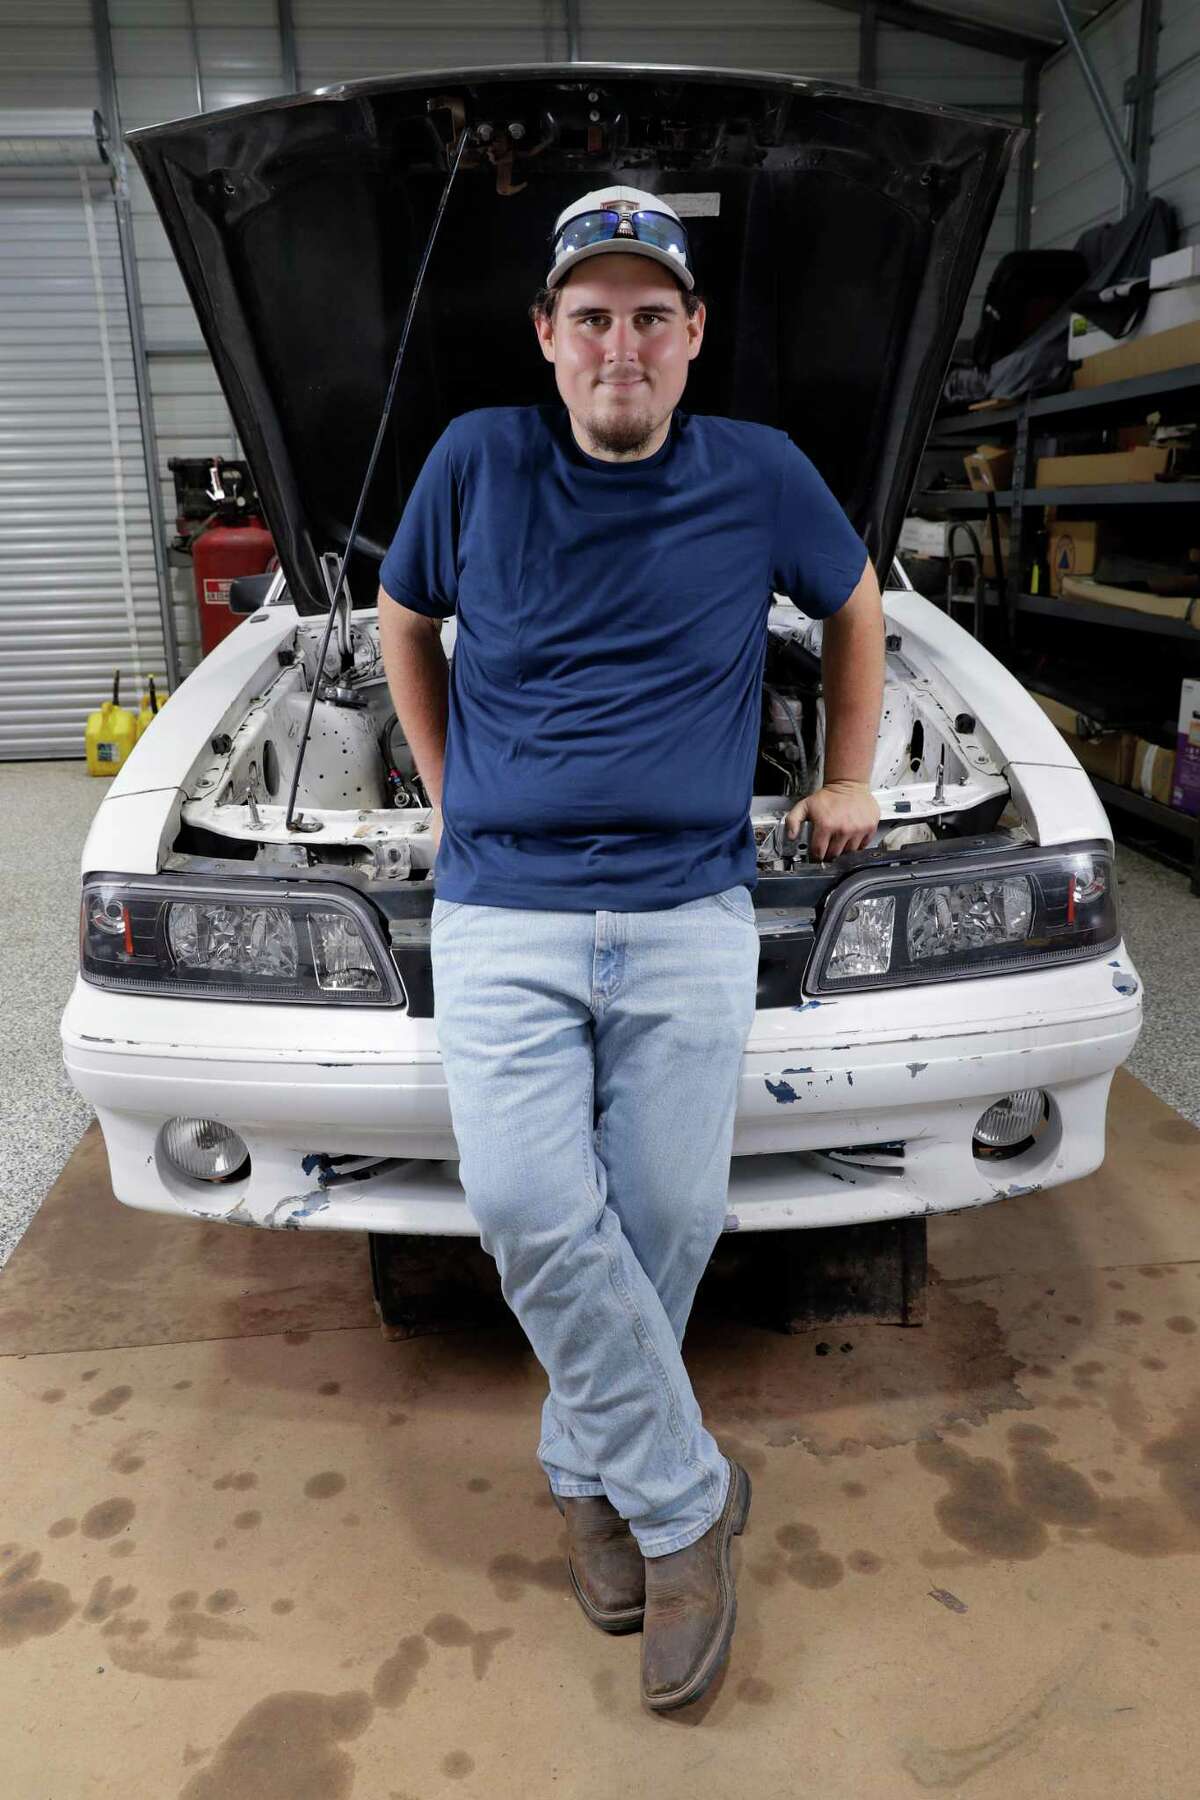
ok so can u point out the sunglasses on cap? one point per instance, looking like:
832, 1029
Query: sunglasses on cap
656, 228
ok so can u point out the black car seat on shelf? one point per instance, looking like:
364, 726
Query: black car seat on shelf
1112, 253
1026, 288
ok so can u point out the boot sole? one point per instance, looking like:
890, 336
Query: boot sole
698, 1684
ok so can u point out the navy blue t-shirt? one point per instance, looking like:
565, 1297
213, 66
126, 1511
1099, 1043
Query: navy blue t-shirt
606, 679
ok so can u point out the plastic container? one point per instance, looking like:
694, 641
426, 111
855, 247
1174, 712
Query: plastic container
110, 734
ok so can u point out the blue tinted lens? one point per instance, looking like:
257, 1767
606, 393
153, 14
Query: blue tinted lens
659, 229
588, 228
654, 228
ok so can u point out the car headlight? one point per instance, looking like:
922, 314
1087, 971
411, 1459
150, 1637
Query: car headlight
940, 922
249, 942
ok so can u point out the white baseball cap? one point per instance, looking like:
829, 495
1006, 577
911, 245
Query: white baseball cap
638, 222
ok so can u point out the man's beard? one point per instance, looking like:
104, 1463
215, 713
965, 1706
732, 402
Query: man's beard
621, 434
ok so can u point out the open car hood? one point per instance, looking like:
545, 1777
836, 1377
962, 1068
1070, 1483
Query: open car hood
835, 235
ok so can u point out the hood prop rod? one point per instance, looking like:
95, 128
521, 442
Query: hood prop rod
296, 821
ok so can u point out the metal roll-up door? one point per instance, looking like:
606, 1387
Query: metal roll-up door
79, 592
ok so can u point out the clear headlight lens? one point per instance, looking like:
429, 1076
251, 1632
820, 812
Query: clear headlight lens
927, 923
340, 957
179, 938
968, 915
864, 943
233, 940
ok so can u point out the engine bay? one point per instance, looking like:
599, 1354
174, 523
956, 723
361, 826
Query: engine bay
365, 806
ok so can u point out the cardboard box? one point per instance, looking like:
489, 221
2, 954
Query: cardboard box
1174, 306
1144, 463
1142, 356
1183, 607
1177, 267
1072, 550
989, 468
923, 537
1185, 787
1110, 754
1058, 712
1153, 771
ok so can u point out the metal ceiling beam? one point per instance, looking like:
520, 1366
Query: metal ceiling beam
571, 12
1139, 94
868, 61
190, 11
1099, 97
287, 44
1025, 169
910, 16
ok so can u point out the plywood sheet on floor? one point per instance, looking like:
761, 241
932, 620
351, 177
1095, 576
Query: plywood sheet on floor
257, 1563
90, 1274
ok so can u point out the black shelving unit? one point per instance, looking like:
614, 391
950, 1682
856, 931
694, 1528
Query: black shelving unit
953, 500
1126, 493
1165, 818
1112, 397
1124, 618
1025, 418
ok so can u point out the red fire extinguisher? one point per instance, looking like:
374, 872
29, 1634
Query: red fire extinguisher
219, 522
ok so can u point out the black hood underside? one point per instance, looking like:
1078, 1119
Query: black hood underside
835, 235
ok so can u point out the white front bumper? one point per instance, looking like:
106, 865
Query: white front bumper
916, 1066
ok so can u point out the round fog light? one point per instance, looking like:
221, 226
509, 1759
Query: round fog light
204, 1149
1012, 1123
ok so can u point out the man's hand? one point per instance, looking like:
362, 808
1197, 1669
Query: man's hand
842, 815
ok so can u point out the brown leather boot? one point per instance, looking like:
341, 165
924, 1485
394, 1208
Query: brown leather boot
606, 1566
691, 1607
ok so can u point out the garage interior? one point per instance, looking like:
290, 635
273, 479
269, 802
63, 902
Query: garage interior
251, 1544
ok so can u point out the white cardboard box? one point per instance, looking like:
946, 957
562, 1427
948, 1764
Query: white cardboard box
1176, 267
1185, 789
923, 537
1179, 305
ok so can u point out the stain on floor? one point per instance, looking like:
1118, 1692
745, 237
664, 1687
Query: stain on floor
962, 1568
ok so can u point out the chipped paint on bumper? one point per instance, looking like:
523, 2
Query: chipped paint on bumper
911, 1067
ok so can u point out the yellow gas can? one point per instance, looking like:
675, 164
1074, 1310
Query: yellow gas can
152, 705
110, 735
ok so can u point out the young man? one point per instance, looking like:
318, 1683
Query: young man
611, 561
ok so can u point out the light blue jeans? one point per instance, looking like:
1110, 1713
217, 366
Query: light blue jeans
592, 1063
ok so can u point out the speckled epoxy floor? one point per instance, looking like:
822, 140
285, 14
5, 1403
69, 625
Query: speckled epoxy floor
47, 808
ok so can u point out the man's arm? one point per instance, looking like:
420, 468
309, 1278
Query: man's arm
418, 680
842, 814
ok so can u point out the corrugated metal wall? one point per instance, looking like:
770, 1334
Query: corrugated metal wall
155, 65
78, 585
950, 74
1175, 153
240, 60
376, 37
165, 68
800, 37
1077, 183
78, 588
